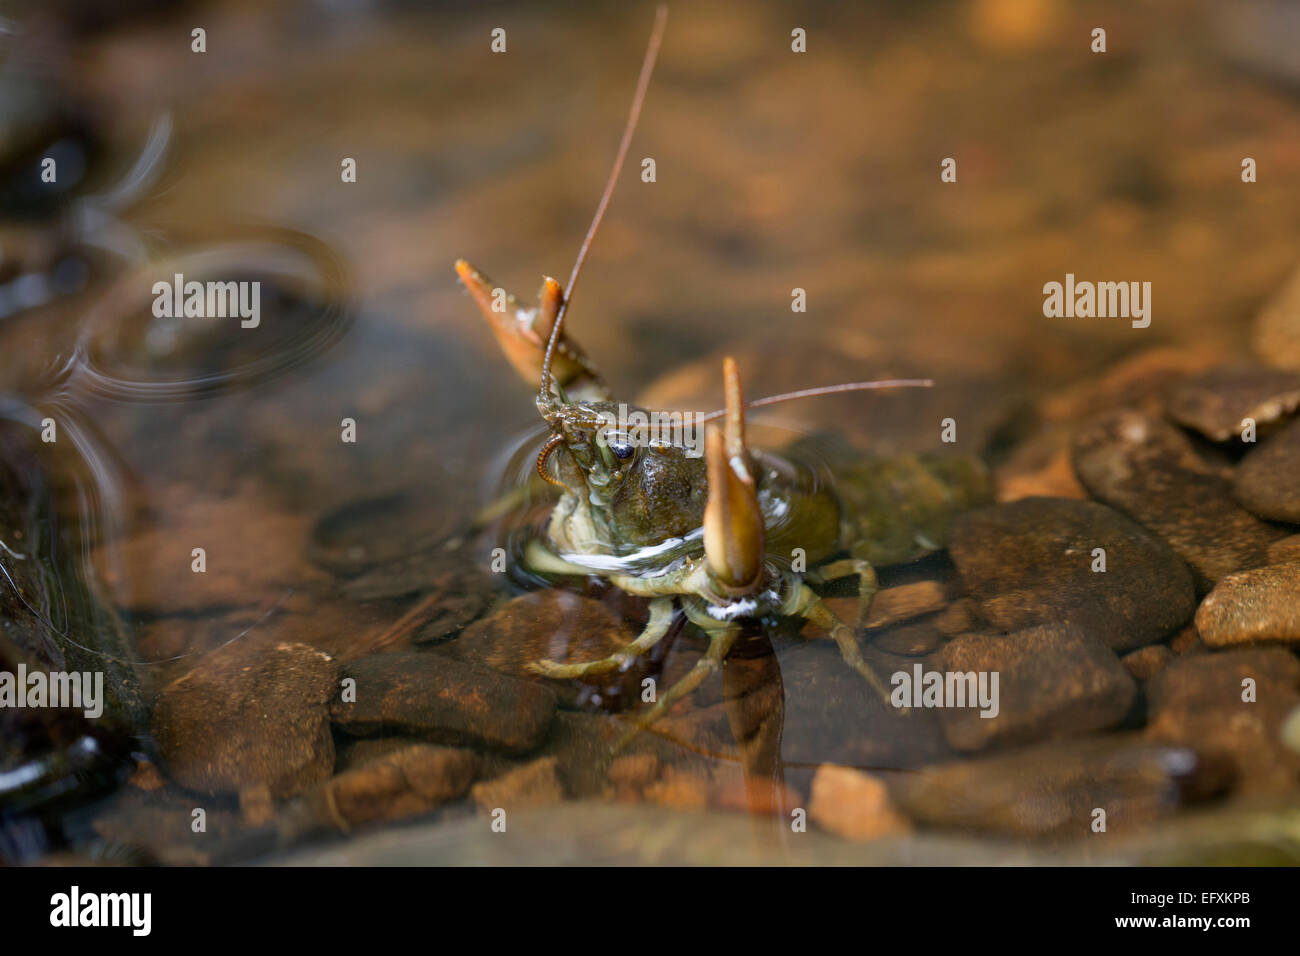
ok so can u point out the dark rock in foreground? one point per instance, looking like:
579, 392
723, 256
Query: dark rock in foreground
1268, 479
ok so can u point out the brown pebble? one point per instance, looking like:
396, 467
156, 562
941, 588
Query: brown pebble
250, 714
1276, 334
853, 804
444, 701
1202, 701
1217, 402
1268, 479
1146, 662
1034, 561
1262, 604
1147, 468
1285, 550
408, 782
1053, 681
534, 784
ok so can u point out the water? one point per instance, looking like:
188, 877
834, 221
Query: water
775, 171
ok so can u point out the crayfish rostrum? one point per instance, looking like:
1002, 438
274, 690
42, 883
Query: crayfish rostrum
731, 535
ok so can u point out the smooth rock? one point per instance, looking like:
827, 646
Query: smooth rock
445, 701
1052, 790
1148, 469
1197, 701
1262, 604
853, 804
1031, 561
250, 715
534, 784
1054, 680
1268, 479
408, 782
1146, 662
1216, 402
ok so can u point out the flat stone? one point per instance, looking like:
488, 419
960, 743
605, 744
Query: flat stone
1268, 479
1053, 681
1262, 604
250, 715
443, 700
1030, 562
1052, 790
409, 782
1146, 662
853, 804
1215, 403
1197, 701
1145, 467
534, 784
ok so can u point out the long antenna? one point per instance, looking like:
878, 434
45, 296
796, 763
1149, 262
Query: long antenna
825, 390
642, 84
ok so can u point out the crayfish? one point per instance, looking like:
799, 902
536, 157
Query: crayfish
716, 533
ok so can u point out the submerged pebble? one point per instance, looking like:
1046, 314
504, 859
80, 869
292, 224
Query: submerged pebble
1054, 680
409, 782
1143, 466
853, 804
445, 701
1262, 604
1268, 479
1146, 662
535, 784
1033, 562
1276, 335
1216, 403
1232, 704
250, 716
1053, 790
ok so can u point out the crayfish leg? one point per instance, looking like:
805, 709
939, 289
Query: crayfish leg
805, 603
868, 586
661, 618
722, 634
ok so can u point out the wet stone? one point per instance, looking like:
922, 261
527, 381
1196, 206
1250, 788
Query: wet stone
1262, 604
1287, 549
1147, 468
444, 701
250, 715
1146, 662
1053, 681
408, 782
534, 784
1216, 402
551, 624
1198, 701
1051, 790
1031, 562
1268, 479
853, 804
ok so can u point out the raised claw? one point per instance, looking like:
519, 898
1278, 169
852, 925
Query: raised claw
733, 522
522, 333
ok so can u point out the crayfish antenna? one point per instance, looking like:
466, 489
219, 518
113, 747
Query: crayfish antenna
733, 521
546, 400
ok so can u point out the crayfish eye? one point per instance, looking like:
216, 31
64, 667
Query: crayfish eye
621, 448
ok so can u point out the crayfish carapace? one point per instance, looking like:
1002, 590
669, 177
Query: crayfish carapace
713, 534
